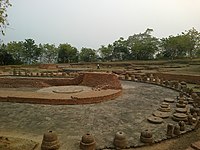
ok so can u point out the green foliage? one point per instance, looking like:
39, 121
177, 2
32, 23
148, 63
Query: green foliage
143, 45
185, 45
4, 4
49, 53
67, 54
120, 50
5, 57
16, 49
106, 52
31, 51
88, 55
194, 37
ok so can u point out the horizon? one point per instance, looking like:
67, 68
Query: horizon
93, 23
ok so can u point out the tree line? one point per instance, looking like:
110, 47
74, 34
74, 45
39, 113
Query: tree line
142, 46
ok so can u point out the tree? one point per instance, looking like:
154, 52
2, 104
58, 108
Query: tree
143, 46
4, 4
106, 52
16, 49
67, 53
88, 55
49, 53
184, 45
194, 42
120, 50
5, 58
31, 51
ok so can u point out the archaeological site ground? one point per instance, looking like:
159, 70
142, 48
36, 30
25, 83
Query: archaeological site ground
142, 105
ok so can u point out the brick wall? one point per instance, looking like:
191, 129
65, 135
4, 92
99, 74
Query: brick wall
187, 78
93, 79
86, 79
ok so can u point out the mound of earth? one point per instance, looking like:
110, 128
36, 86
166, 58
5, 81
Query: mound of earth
11, 143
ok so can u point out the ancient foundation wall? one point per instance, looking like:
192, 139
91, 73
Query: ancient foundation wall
86, 100
37, 82
101, 79
187, 78
87, 79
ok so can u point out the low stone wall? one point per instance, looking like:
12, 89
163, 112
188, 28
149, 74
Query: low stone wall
37, 82
195, 79
87, 79
106, 87
86, 100
48, 66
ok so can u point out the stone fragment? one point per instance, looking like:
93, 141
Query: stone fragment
155, 120
151, 78
164, 107
181, 110
179, 117
133, 77
120, 140
177, 130
87, 142
190, 120
182, 125
170, 130
146, 137
50, 141
169, 100
161, 114
180, 104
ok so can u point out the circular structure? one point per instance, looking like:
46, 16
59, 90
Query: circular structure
164, 107
179, 117
126, 113
88, 142
50, 141
154, 119
103, 87
120, 140
146, 136
169, 100
161, 114
65, 89
181, 110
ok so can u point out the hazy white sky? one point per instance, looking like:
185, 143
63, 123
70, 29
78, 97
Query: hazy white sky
92, 23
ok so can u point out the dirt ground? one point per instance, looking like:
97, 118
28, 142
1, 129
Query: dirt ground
21, 129
126, 113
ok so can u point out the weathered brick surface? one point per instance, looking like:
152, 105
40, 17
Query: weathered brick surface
86, 79
187, 78
37, 99
48, 66
100, 79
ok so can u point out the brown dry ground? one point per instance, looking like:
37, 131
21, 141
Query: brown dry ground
177, 68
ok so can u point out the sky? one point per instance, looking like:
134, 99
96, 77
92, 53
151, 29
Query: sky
92, 23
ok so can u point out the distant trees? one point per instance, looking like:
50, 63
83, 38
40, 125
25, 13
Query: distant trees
185, 45
16, 49
31, 51
5, 57
67, 54
142, 46
88, 55
106, 52
49, 53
